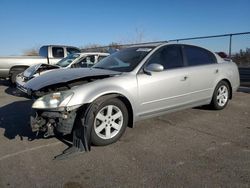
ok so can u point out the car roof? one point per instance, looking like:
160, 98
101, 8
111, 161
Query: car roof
92, 53
148, 44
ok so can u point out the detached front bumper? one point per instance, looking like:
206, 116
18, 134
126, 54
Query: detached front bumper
64, 122
50, 122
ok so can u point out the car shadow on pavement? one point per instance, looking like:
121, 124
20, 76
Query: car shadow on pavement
12, 90
204, 107
14, 118
5, 82
244, 89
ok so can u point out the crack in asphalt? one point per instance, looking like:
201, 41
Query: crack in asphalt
27, 150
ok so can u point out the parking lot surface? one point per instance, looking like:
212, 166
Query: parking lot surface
190, 148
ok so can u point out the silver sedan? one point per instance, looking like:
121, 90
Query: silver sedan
130, 85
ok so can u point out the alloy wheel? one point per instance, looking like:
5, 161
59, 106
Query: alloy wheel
222, 95
108, 122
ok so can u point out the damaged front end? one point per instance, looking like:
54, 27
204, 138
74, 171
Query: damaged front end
50, 122
53, 115
32, 72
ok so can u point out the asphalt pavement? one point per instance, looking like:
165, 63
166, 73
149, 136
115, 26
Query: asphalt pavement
190, 148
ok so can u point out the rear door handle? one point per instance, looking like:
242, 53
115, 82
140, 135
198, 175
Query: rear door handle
184, 78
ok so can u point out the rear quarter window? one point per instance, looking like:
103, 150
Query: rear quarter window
72, 50
198, 56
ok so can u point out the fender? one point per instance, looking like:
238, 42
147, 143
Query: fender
88, 93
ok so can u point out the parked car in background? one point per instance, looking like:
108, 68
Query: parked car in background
11, 66
130, 85
75, 60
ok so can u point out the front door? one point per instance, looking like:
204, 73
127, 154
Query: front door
167, 89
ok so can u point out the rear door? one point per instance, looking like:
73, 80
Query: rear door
167, 89
203, 71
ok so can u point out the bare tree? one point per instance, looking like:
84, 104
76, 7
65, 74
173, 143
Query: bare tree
242, 58
139, 36
31, 52
92, 48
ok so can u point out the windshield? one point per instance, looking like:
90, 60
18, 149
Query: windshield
124, 60
67, 60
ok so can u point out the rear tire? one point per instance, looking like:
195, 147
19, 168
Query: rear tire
220, 96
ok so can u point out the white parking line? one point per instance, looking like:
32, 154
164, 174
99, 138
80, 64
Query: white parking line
27, 150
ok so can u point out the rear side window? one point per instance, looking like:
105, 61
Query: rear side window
72, 50
169, 57
57, 52
198, 56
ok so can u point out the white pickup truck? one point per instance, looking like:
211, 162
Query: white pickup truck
49, 54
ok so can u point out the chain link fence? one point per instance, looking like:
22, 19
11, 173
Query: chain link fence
236, 45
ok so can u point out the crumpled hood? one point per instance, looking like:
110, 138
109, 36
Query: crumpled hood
65, 75
32, 70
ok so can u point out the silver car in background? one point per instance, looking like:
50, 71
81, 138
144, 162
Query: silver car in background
133, 84
75, 60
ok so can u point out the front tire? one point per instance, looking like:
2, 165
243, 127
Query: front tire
109, 121
14, 74
220, 96
13, 77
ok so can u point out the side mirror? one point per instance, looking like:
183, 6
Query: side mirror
153, 68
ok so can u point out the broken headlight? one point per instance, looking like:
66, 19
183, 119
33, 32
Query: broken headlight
53, 100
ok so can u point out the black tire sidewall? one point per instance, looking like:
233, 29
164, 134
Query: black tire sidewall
13, 77
214, 102
14, 74
95, 139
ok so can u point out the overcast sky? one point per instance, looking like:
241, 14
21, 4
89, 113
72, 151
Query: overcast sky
25, 24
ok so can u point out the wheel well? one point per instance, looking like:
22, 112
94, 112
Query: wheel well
118, 96
129, 108
230, 87
125, 101
17, 68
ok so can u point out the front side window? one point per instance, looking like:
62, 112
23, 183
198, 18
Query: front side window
87, 61
124, 60
198, 56
57, 52
168, 56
